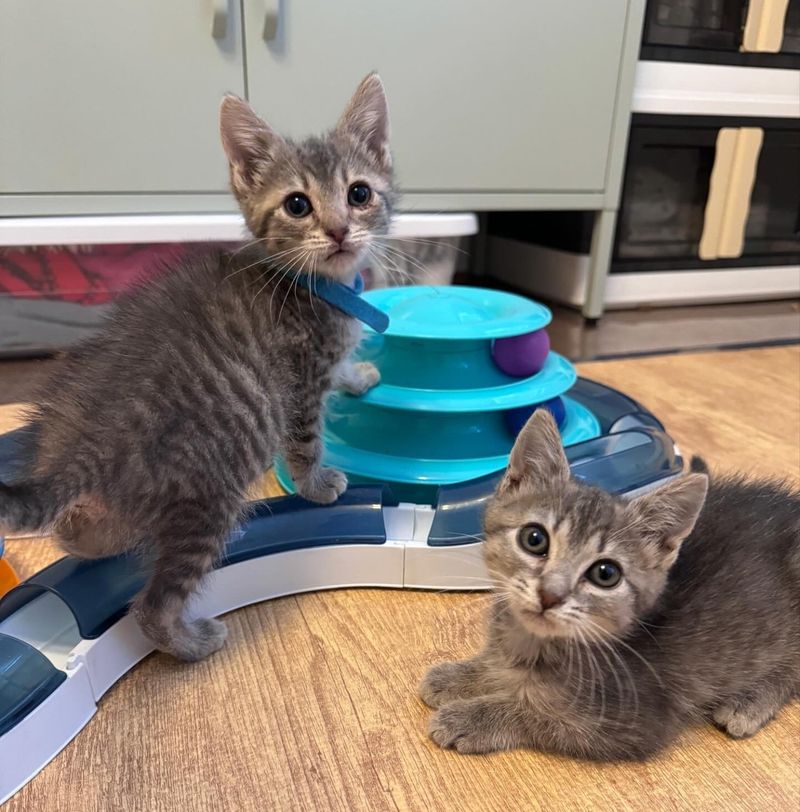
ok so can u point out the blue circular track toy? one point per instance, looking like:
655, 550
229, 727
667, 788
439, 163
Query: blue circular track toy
423, 450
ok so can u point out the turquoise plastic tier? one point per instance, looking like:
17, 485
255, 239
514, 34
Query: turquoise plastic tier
421, 493
455, 313
448, 389
396, 446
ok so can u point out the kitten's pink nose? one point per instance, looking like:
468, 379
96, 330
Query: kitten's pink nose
549, 599
338, 235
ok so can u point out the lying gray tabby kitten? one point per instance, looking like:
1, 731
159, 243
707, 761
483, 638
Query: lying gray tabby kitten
150, 434
617, 624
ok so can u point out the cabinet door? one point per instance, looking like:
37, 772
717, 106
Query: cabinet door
114, 95
502, 96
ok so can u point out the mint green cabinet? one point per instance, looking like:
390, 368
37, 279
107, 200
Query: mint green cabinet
501, 97
110, 106
115, 96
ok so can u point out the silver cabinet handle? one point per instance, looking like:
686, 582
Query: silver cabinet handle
272, 16
219, 20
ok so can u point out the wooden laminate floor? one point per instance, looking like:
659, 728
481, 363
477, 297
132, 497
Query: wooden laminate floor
311, 705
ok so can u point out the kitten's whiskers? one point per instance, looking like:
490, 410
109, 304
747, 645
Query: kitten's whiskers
603, 636
293, 281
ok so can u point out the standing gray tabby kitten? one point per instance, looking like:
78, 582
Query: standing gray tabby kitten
150, 434
617, 624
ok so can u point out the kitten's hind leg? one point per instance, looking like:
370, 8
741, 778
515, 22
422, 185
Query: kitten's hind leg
91, 530
159, 608
189, 540
746, 715
356, 378
454, 680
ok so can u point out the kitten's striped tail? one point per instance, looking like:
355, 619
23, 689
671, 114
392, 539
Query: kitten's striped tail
30, 506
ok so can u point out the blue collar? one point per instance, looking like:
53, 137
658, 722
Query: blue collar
345, 298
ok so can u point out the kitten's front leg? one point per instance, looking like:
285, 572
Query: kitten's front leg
303, 457
454, 680
479, 725
356, 378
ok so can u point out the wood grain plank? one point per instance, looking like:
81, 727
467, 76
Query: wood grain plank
311, 705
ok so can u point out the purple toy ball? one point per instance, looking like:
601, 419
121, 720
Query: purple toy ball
521, 356
517, 418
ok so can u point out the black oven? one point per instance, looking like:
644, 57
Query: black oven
763, 33
709, 192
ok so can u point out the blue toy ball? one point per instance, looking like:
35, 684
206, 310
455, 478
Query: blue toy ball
517, 418
521, 356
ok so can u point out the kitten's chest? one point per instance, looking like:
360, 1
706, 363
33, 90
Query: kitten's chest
352, 333
535, 686
329, 346
340, 341
533, 672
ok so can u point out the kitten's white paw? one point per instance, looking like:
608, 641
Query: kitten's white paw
364, 377
325, 487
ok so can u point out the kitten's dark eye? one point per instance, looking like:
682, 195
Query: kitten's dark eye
297, 205
533, 538
359, 194
604, 573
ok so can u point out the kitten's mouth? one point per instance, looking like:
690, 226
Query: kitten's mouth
341, 251
340, 261
544, 624
536, 614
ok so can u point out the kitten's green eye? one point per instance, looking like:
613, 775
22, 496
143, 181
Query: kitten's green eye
359, 194
605, 573
298, 205
533, 538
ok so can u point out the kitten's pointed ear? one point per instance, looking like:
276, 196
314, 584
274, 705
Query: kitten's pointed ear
664, 517
367, 119
249, 142
537, 459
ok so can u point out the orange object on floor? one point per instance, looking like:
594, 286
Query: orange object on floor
8, 578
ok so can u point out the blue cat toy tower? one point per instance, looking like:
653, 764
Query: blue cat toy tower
461, 369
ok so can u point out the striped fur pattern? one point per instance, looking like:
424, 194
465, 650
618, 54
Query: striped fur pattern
704, 623
150, 433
